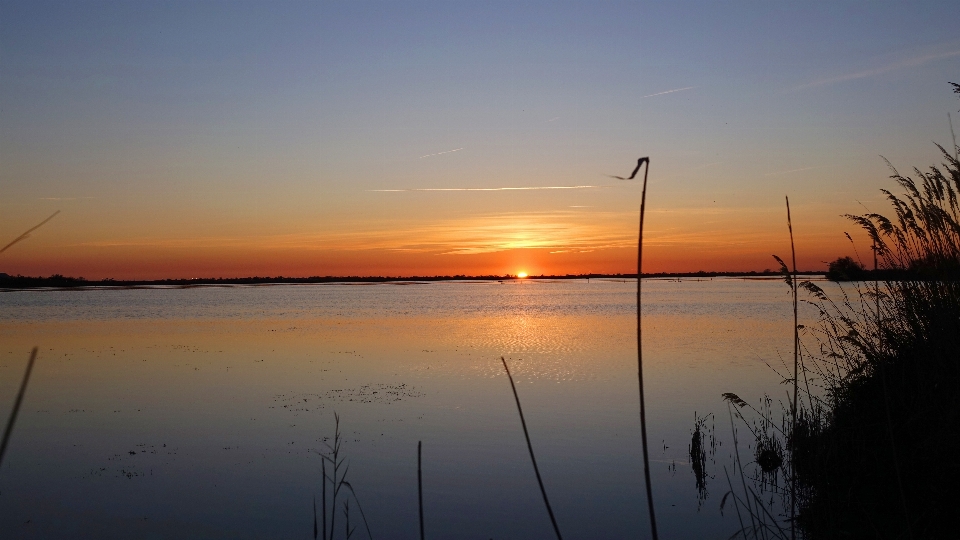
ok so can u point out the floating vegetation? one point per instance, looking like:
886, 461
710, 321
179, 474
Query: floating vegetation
381, 393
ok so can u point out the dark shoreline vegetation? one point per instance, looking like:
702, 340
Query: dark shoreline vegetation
8, 283
871, 449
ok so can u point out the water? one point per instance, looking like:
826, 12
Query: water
200, 412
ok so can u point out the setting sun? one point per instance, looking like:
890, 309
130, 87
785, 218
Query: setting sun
521, 274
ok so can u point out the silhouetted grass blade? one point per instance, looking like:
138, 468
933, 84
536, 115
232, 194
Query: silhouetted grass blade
16, 404
26, 235
420, 484
643, 409
533, 458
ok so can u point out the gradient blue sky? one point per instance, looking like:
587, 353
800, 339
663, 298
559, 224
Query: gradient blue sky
185, 139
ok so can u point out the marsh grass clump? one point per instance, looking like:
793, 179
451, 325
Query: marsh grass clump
703, 444
337, 479
879, 460
768, 448
871, 441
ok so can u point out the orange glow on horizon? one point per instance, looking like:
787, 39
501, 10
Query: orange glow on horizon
547, 243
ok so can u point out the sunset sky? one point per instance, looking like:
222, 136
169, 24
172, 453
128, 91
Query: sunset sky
204, 139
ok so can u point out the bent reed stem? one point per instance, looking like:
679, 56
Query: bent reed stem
533, 458
16, 404
643, 411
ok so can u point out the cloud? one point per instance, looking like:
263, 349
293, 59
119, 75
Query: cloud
488, 233
893, 66
441, 153
568, 230
669, 91
487, 189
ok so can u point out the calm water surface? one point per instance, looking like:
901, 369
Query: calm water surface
200, 412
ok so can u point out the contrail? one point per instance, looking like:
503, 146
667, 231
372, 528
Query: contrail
910, 62
27, 234
488, 189
441, 153
793, 170
669, 91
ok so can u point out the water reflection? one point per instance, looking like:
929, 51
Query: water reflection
225, 395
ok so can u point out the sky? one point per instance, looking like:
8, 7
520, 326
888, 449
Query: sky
206, 139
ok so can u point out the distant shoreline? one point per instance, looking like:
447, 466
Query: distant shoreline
15, 283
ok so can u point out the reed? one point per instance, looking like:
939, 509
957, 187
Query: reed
26, 235
702, 444
338, 481
891, 367
420, 484
643, 410
533, 458
796, 372
886, 357
16, 404
323, 471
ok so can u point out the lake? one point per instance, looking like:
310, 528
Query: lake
200, 412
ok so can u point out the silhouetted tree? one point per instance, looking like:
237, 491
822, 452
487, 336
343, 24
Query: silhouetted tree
845, 269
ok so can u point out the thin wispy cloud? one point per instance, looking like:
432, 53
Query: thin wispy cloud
484, 233
527, 188
893, 66
778, 173
553, 119
566, 231
442, 153
669, 91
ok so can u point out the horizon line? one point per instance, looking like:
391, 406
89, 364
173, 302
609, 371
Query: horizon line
280, 278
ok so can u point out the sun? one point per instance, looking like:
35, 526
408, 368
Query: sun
521, 274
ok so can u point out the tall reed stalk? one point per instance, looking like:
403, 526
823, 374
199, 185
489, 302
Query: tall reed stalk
643, 410
796, 376
420, 484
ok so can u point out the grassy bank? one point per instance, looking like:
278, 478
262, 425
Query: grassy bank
878, 457
873, 439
